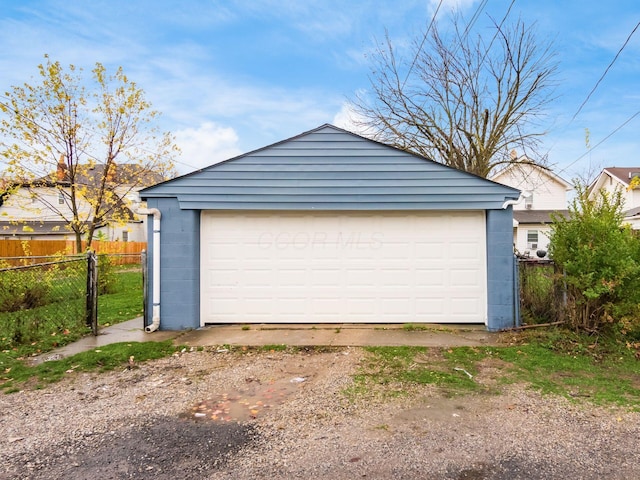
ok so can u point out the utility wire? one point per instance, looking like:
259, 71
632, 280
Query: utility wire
424, 39
601, 141
473, 20
605, 72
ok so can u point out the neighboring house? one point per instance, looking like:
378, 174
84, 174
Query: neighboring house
37, 210
613, 179
330, 227
544, 193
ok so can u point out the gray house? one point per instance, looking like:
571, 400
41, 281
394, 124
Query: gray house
330, 227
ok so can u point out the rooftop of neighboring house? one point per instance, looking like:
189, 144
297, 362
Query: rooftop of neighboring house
17, 228
634, 212
622, 174
537, 216
120, 174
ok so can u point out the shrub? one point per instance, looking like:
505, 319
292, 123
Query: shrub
538, 293
107, 281
22, 290
600, 258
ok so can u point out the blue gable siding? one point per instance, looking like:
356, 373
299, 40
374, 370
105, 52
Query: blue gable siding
331, 169
325, 169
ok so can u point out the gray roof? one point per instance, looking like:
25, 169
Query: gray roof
634, 212
624, 174
19, 228
331, 169
537, 216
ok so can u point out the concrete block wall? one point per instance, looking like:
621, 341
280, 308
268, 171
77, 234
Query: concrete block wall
501, 294
179, 266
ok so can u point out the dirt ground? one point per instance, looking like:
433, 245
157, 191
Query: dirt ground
223, 415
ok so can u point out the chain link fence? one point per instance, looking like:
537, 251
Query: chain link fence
46, 298
67, 296
542, 292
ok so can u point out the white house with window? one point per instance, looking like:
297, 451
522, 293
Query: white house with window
545, 193
39, 213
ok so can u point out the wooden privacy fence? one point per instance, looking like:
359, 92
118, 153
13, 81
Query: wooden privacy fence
128, 251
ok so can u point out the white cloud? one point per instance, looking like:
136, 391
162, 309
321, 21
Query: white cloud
203, 146
449, 5
349, 119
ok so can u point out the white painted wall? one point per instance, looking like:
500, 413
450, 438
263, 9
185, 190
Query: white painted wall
520, 238
548, 192
45, 207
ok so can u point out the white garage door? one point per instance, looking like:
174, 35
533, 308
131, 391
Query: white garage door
334, 267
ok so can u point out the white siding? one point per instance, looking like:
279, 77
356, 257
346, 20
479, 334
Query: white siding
522, 245
548, 192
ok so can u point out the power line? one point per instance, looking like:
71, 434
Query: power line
424, 39
605, 72
498, 30
474, 18
601, 141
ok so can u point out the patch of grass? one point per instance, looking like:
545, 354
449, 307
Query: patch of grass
281, 347
395, 371
602, 371
246, 327
412, 327
125, 302
15, 373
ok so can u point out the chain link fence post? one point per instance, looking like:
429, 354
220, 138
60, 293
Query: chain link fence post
92, 292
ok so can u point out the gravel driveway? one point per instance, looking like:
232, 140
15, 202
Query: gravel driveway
221, 415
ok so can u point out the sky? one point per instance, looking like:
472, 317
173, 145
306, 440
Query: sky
232, 76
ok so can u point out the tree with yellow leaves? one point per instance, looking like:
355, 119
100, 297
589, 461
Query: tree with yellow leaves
90, 142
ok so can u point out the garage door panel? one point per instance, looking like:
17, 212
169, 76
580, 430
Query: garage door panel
347, 267
464, 306
360, 277
464, 277
426, 278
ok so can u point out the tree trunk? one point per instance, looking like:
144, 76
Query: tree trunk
78, 242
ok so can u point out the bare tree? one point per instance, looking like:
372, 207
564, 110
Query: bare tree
78, 153
463, 100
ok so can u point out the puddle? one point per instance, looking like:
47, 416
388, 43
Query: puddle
244, 404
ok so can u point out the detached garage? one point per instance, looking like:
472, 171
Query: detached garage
330, 227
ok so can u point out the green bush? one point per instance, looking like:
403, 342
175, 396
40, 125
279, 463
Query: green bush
107, 280
600, 258
22, 290
538, 295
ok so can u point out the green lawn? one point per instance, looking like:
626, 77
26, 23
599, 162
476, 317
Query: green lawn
601, 371
124, 303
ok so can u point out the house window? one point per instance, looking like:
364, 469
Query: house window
60, 198
125, 236
532, 239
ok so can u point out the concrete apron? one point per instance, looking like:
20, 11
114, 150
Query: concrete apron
335, 335
339, 335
